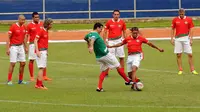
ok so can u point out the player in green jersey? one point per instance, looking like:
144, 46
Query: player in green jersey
104, 58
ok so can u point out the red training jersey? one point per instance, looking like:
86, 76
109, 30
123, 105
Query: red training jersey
43, 38
17, 33
115, 28
134, 44
182, 26
32, 30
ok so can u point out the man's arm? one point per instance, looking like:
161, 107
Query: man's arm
8, 44
26, 43
124, 33
105, 35
154, 46
116, 45
191, 35
172, 36
36, 46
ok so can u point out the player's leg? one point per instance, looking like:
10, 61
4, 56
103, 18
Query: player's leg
13, 60
188, 50
32, 57
103, 69
22, 59
111, 51
120, 53
45, 75
41, 64
178, 49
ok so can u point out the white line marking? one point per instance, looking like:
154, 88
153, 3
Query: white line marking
92, 105
95, 65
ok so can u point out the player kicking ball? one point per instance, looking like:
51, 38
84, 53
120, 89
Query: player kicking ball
104, 58
41, 47
134, 44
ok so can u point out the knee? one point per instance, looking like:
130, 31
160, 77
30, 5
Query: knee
179, 55
190, 55
22, 64
12, 64
134, 69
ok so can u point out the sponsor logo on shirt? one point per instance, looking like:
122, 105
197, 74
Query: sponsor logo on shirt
137, 40
186, 22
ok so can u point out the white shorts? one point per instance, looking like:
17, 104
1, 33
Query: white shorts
182, 46
108, 61
42, 61
133, 60
17, 54
118, 51
31, 53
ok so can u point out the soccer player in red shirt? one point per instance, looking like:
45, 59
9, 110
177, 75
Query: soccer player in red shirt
41, 47
32, 28
134, 44
183, 26
115, 32
16, 47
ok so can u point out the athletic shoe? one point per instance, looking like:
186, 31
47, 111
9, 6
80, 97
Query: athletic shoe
41, 87
46, 78
32, 79
129, 83
22, 82
195, 72
99, 90
180, 72
9, 83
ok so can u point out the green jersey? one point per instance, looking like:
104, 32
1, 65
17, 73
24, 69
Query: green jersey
100, 48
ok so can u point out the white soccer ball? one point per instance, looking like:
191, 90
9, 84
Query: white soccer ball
138, 86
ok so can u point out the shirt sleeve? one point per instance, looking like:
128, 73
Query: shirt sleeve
173, 23
144, 40
11, 30
191, 24
124, 26
92, 37
107, 26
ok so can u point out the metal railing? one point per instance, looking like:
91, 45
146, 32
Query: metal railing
89, 12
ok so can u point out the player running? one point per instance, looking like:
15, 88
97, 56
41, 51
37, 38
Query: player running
41, 46
32, 29
107, 60
183, 26
134, 44
16, 47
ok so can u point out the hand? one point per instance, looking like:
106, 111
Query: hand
90, 50
161, 50
191, 41
172, 42
38, 54
8, 52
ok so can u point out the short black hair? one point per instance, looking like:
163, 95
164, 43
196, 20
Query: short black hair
34, 13
116, 10
97, 25
134, 29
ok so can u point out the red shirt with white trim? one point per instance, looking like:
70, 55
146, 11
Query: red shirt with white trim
17, 33
182, 26
43, 38
115, 28
32, 30
134, 44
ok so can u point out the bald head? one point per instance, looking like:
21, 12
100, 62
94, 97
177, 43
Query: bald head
181, 13
21, 19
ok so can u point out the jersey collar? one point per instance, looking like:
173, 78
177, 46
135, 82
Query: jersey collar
44, 29
34, 22
18, 24
114, 20
183, 17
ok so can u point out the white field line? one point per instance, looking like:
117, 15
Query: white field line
97, 106
96, 65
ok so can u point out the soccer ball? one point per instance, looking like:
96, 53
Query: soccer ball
138, 86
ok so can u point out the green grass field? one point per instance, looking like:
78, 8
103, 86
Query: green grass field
149, 24
75, 75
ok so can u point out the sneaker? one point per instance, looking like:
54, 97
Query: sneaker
47, 79
129, 83
41, 87
180, 72
22, 82
99, 90
9, 83
32, 79
195, 72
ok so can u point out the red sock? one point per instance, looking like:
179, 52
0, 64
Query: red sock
192, 68
180, 69
122, 69
39, 82
9, 76
31, 68
20, 77
122, 74
44, 72
101, 78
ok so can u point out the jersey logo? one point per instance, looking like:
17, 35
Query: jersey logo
33, 28
119, 25
137, 40
177, 22
17, 30
186, 22
24, 30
